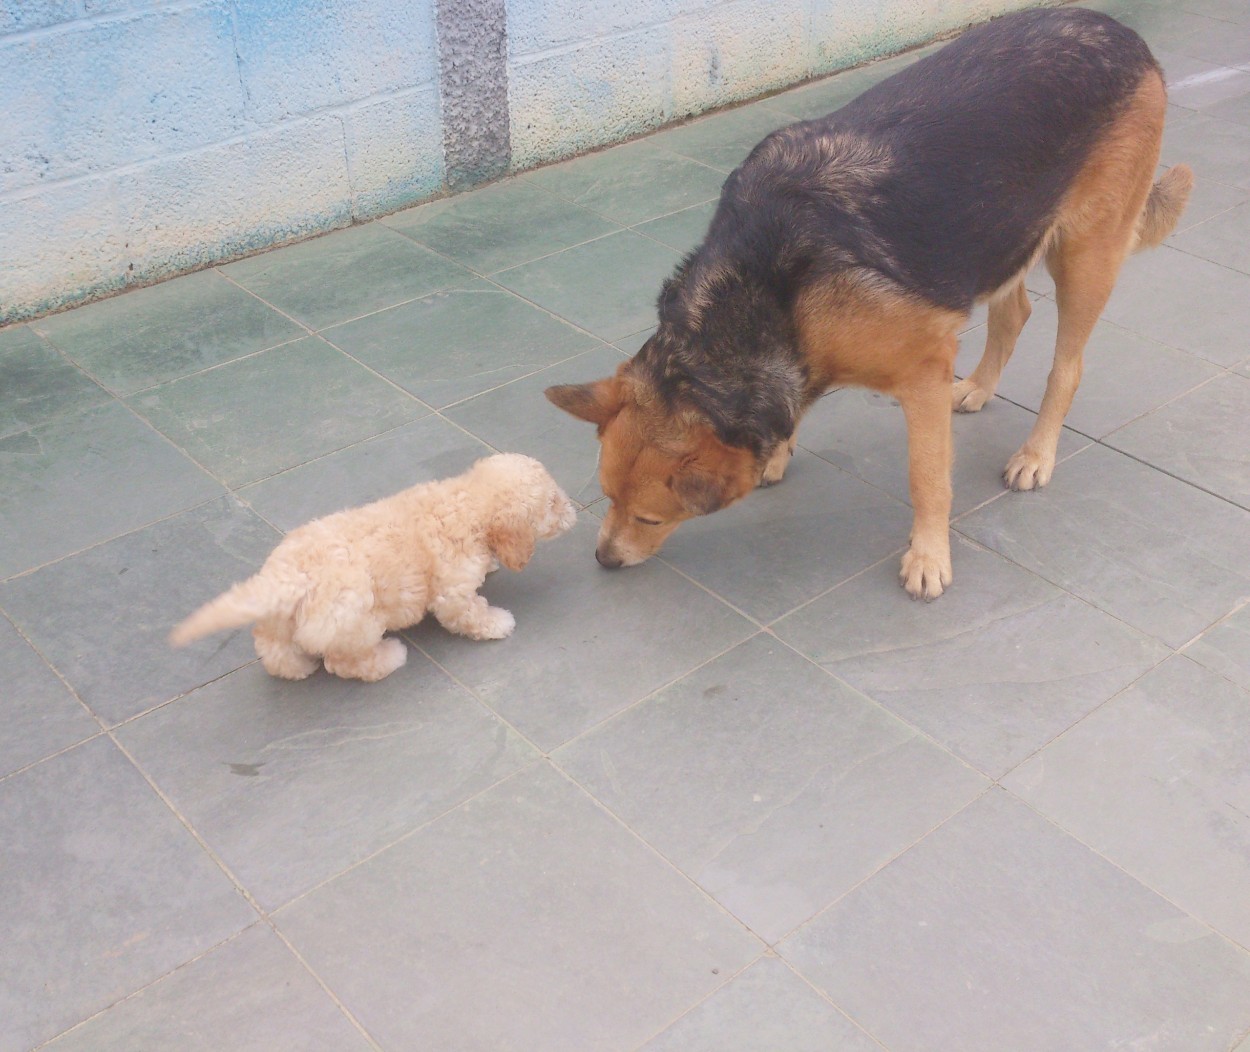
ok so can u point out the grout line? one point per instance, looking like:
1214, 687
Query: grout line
1138, 880
149, 985
829, 1000
262, 914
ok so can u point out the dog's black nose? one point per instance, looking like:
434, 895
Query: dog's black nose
609, 562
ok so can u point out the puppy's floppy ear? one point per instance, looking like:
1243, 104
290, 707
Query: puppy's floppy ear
596, 402
511, 539
713, 475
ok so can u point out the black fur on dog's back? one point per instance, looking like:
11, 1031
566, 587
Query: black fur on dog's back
939, 183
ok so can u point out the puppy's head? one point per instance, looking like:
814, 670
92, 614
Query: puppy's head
527, 506
657, 468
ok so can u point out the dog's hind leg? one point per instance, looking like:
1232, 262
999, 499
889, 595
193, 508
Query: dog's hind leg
1008, 312
371, 664
1111, 208
1084, 270
279, 653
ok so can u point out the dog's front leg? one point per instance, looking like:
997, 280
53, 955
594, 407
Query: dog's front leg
463, 611
926, 402
778, 461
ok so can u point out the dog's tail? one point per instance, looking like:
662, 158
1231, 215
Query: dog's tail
246, 602
1164, 206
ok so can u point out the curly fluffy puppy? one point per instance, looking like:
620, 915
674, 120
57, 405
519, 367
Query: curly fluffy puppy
333, 587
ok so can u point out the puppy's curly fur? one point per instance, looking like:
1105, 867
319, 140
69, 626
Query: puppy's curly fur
333, 587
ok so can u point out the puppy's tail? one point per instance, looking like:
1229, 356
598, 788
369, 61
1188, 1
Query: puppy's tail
1164, 206
246, 602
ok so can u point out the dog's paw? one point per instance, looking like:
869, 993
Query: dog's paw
775, 470
495, 623
967, 397
1028, 470
391, 654
925, 575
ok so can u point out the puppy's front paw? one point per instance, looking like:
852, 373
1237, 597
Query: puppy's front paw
925, 575
495, 623
967, 397
1029, 470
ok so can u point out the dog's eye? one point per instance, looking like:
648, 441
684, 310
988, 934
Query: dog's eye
646, 522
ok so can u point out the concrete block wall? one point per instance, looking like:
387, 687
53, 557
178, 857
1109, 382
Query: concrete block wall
143, 138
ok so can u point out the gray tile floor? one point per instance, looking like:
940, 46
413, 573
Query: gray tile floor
745, 797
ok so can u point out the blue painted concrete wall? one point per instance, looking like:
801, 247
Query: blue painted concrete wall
141, 138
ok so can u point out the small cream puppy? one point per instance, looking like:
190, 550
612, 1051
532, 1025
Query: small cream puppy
333, 587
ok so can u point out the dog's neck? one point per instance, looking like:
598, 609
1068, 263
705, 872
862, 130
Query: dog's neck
732, 357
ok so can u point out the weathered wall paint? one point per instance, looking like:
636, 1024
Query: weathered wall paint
142, 138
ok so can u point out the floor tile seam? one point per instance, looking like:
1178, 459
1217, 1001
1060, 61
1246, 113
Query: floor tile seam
621, 224
1214, 624
815, 917
181, 695
53, 755
525, 376
916, 732
755, 622
326, 988
181, 450
652, 850
1172, 475
220, 269
673, 151
825, 996
189, 826
68, 360
414, 236
48, 664
490, 278
539, 751
1221, 371
1149, 337
1169, 654
274, 915
1207, 259
1101, 439
617, 714
115, 537
1186, 40
668, 1024
248, 356
237, 491
1244, 26
1207, 181
1197, 359
1243, 950
891, 556
138, 991
1146, 633
1007, 492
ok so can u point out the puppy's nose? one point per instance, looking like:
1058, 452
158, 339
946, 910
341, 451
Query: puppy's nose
608, 562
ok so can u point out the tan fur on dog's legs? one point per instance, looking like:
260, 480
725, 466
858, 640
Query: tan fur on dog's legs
926, 567
1084, 277
775, 469
1008, 313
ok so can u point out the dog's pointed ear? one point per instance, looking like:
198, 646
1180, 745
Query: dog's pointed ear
713, 475
511, 539
596, 402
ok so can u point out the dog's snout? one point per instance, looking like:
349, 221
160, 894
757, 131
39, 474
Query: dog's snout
607, 560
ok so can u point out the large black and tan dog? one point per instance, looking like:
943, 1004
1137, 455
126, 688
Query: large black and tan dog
849, 250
